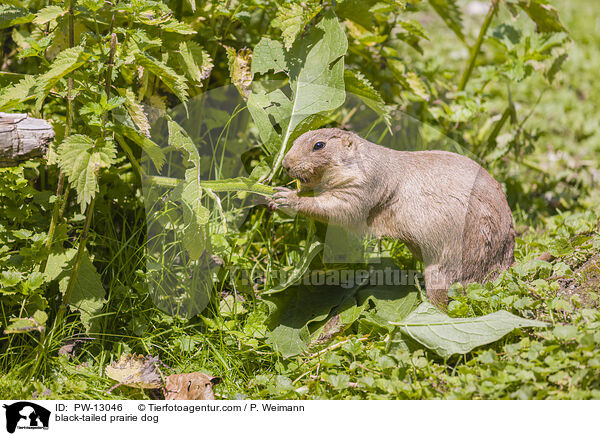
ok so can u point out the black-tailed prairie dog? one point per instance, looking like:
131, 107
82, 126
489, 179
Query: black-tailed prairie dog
447, 209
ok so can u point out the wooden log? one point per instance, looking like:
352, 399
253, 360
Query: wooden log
23, 138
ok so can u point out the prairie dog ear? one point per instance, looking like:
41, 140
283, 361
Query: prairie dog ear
348, 140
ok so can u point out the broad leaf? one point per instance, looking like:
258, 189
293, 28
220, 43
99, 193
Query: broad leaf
316, 72
447, 336
67, 61
48, 13
80, 158
239, 69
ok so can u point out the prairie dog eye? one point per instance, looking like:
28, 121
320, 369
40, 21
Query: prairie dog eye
318, 145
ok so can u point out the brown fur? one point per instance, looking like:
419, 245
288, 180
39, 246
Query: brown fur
447, 209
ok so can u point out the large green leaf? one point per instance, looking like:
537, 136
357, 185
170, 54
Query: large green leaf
268, 55
315, 65
80, 158
301, 310
88, 295
447, 336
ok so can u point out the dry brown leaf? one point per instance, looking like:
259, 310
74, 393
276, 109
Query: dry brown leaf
191, 386
136, 371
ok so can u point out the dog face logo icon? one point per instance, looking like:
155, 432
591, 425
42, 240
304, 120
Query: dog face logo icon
26, 415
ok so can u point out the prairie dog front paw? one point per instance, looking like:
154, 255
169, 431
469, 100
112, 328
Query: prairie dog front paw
284, 199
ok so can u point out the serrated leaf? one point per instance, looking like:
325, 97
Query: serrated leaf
449, 11
268, 55
239, 69
136, 111
18, 93
194, 61
48, 14
176, 83
358, 85
12, 15
544, 15
416, 85
65, 62
80, 158
290, 19
178, 27
447, 336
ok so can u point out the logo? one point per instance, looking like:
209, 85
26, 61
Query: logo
26, 415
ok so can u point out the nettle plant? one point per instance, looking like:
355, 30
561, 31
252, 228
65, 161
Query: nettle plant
90, 66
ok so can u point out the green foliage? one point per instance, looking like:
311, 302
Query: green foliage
129, 65
81, 159
448, 336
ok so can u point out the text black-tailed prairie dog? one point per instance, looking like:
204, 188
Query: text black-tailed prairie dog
447, 209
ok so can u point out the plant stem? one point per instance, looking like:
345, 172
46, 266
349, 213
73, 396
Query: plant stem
78, 258
476, 48
56, 211
498, 127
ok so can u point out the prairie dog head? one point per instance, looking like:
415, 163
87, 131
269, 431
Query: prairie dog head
323, 157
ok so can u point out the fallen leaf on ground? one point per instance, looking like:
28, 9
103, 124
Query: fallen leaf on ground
191, 386
136, 371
